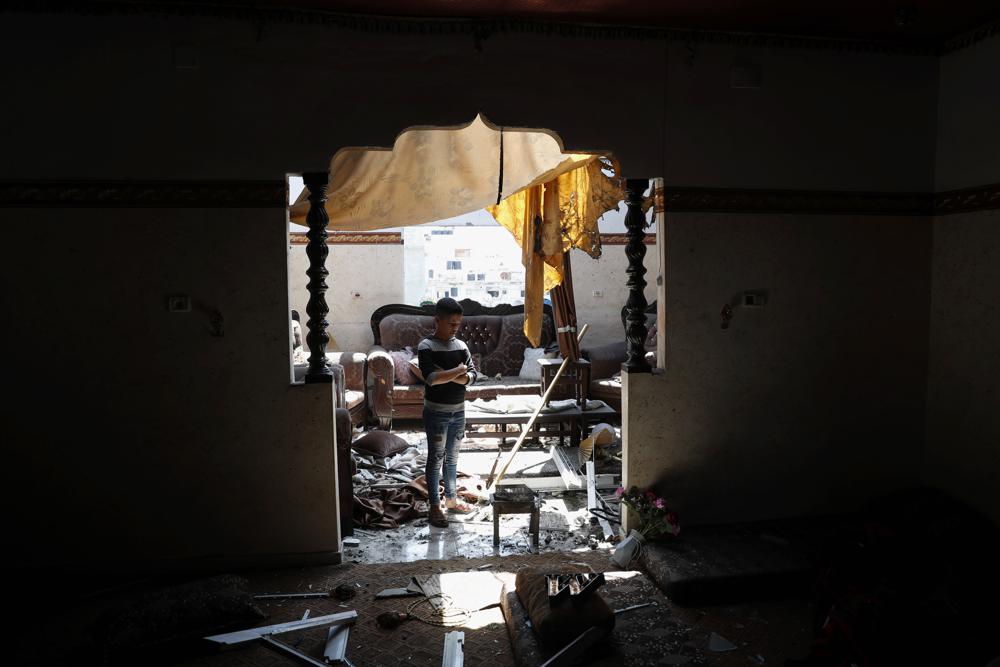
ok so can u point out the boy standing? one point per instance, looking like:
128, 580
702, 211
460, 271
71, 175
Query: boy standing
446, 364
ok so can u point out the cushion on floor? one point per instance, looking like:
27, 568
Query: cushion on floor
380, 444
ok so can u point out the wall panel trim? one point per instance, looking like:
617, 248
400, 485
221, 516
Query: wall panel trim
274, 194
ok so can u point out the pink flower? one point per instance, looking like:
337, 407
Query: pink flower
660, 504
619, 491
650, 496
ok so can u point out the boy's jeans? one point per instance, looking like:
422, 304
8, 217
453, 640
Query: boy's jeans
445, 431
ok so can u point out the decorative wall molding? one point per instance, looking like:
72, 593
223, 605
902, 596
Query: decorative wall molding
983, 198
622, 239
273, 194
143, 194
481, 29
965, 40
735, 200
352, 238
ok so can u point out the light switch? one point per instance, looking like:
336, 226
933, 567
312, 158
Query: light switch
179, 303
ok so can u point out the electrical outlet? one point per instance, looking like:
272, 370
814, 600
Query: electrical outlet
179, 303
598, 293
754, 299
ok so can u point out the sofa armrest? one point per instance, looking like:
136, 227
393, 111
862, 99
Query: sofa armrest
605, 360
381, 380
355, 368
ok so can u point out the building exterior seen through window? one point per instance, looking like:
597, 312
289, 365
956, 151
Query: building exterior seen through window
476, 259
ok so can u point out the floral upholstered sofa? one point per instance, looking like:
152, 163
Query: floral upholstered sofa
495, 338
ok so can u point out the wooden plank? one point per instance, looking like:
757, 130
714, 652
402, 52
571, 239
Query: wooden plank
252, 634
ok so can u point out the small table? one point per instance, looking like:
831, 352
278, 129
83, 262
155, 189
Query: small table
516, 499
565, 420
571, 421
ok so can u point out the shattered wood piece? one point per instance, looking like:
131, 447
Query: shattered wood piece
454, 649
336, 643
251, 634
592, 501
567, 466
291, 651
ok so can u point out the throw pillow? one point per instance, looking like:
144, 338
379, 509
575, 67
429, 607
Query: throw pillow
530, 370
401, 368
380, 444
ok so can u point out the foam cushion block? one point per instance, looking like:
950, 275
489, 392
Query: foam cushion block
558, 625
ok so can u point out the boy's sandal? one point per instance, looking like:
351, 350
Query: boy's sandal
460, 508
435, 517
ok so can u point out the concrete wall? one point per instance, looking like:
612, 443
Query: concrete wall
963, 380
606, 275
135, 435
200, 446
821, 121
963, 395
811, 404
968, 107
375, 272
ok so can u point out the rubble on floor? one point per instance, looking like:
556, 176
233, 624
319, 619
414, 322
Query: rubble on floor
390, 493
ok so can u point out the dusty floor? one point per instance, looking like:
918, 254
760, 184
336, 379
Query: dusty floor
754, 634
565, 524
474, 574
662, 634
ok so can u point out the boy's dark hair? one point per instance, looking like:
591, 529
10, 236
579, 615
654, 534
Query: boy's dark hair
447, 306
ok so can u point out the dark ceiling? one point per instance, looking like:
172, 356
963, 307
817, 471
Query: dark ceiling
923, 21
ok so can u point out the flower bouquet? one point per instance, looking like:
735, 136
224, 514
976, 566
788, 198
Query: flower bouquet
655, 519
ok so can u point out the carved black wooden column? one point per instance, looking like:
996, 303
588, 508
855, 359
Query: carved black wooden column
316, 250
635, 305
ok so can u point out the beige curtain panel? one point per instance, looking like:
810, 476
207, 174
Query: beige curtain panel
549, 200
436, 173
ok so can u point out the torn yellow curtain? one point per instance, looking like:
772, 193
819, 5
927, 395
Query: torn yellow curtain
549, 219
